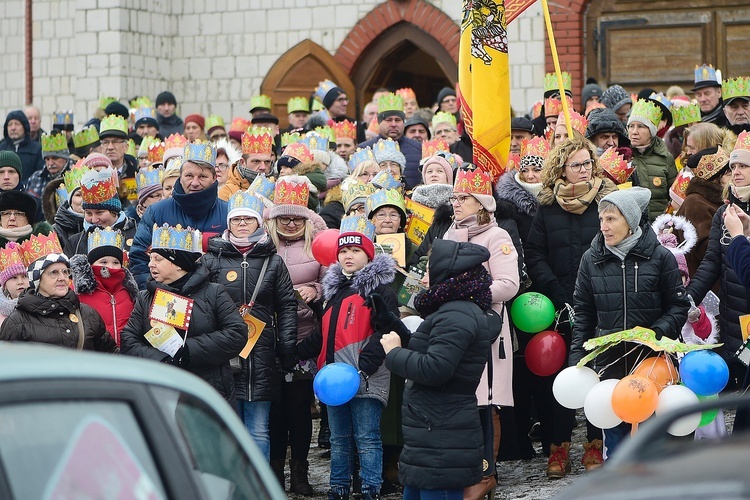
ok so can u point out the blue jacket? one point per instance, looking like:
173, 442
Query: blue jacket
412, 151
30, 152
202, 210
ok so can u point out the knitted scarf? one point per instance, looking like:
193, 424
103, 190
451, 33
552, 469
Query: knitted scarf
16, 233
473, 285
576, 198
742, 193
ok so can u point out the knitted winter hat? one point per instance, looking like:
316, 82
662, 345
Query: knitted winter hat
631, 203
615, 97
445, 92
13, 262
442, 163
354, 239
97, 160
35, 269
166, 97
605, 120
197, 119
589, 91
187, 261
417, 120
11, 159
331, 96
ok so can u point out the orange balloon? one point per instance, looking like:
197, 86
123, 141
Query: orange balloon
658, 369
634, 399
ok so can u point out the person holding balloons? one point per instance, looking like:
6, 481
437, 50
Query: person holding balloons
347, 336
561, 231
626, 279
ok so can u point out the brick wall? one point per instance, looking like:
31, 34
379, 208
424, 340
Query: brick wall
567, 23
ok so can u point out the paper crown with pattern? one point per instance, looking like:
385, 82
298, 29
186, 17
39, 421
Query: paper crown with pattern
317, 106
359, 224
86, 136
710, 165
361, 155
472, 181
686, 115
299, 151
240, 124
648, 110
345, 129
63, 118
661, 98
98, 187
200, 151
536, 109
323, 88
735, 87
298, 105
554, 106
743, 141
260, 101
132, 148
144, 113
61, 194
431, 148
72, 178
327, 133
257, 140
706, 73
176, 238
536, 146
577, 121
52, 143
262, 186
106, 101
39, 246
382, 198
175, 141
245, 199
113, 123
406, 93
214, 121
291, 193
288, 138
615, 166
156, 152
390, 102
356, 190
149, 176
314, 142
10, 255
443, 117
385, 180
145, 143
678, 189
142, 102
550, 82
107, 237
386, 146
514, 162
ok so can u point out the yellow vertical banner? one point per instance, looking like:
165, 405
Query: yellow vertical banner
484, 82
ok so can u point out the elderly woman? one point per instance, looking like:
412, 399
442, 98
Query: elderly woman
626, 279
49, 311
17, 214
561, 231
387, 211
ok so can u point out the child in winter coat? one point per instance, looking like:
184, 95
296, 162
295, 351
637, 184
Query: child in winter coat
348, 336
13, 278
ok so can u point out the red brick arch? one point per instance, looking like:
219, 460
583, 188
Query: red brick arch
417, 12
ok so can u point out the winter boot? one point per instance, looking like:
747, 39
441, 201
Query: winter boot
592, 454
277, 466
332, 495
298, 482
559, 462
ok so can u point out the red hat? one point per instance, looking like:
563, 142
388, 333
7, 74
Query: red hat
196, 118
354, 239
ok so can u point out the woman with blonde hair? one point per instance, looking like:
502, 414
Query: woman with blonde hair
703, 136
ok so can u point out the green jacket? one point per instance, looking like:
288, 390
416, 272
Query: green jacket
656, 171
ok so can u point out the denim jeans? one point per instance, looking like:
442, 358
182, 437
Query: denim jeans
255, 416
356, 422
411, 493
613, 437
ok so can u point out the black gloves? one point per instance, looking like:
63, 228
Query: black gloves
382, 319
288, 361
181, 358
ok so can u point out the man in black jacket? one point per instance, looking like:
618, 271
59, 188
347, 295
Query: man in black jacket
17, 139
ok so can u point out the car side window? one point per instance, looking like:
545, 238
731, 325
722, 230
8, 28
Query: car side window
53, 449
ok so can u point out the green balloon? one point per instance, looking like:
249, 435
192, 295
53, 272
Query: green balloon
532, 312
708, 416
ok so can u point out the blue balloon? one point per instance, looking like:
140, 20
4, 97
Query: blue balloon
704, 372
336, 384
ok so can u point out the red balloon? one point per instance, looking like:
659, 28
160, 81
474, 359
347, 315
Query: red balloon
325, 247
545, 353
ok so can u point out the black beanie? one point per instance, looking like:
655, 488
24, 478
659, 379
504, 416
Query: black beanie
287, 161
105, 251
445, 92
331, 96
166, 97
187, 261
117, 108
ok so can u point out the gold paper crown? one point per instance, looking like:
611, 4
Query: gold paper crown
291, 193
289, 138
149, 176
550, 82
536, 146
473, 181
553, 106
706, 73
298, 105
648, 110
175, 141
106, 237
315, 142
686, 115
245, 199
156, 152
88, 135
384, 145
735, 87
54, 143
240, 124
299, 151
406, 93
98, 187
141, 102
383, 197
356, 190
132, 148
63, 117
615, 166
106, 101
262, 186
679, 187
357, 224
176, 238
10, 255
260, 101
577, 121
385, 180
39, 246
345, 129
214, 121
361, 155
710, 165
390, 102
72, 177
431, 148
114, 123
257, 140
443, 117
200, 151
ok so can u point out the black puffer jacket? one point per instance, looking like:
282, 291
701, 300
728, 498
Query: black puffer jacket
30, 152
652, 297
275, 304
53, 321
79, 242
524, 204
215, 335
67, 223
733, 296
443, 365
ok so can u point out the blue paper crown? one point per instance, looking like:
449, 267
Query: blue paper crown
384, 180
176, 238
323, 88
314, 142
61, 194
359, 224
262, 186
661, 98
706, 73
149, 176
200, 151
243, 199
63, 117
144, 113
360, 156
107, 237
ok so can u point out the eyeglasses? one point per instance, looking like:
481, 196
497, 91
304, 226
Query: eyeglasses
342, 99
366, 175
236, 221
576, 167
222, 166
7, 214
384, 216
112, 142
460, 200
360, 209
57, 273
285, 221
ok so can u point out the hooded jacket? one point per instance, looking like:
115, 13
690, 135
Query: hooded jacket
169, 125
79, 242
275, 304
67, 223
201, 210
54, 321
656, 171
412, 151
30, 152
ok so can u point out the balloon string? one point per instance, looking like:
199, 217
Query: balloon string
558, 316
617, 360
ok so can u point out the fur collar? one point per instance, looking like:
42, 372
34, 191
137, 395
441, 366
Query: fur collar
432, 195
709, 190
508, 189
84, 281
381, 271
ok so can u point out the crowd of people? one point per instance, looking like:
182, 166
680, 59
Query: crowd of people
110, 234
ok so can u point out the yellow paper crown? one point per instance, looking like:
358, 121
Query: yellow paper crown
175, 141
443, 117
257, 140
214, 121
536, 146
735, 87
98, 187
10, 255
473, 181
648, 110
54, 143
686, 115
354, 191
114, 123
141, 102
390, 102
710, 165
298, 105
615, 166
88, 135
288, 192
39, 246
345, 129
431, 148
550, 82
406, 93
260, 101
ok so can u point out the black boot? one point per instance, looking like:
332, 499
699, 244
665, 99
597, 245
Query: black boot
337, 496
298, 482
277, 466
324, 434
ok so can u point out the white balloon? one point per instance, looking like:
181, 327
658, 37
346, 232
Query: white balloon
598, 405
412, 323
572, 384
674, 397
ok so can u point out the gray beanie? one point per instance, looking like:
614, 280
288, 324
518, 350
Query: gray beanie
631, 203
589, 91
615, 97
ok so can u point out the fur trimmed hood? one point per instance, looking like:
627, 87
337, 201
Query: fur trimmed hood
84, 281
49, 203
709, 190
508, 189
381, 271
432, 195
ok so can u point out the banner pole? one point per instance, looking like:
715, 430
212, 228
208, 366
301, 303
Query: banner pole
556, 61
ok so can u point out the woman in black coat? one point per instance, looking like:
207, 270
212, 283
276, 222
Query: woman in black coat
443, 363
216, 332
626, 279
